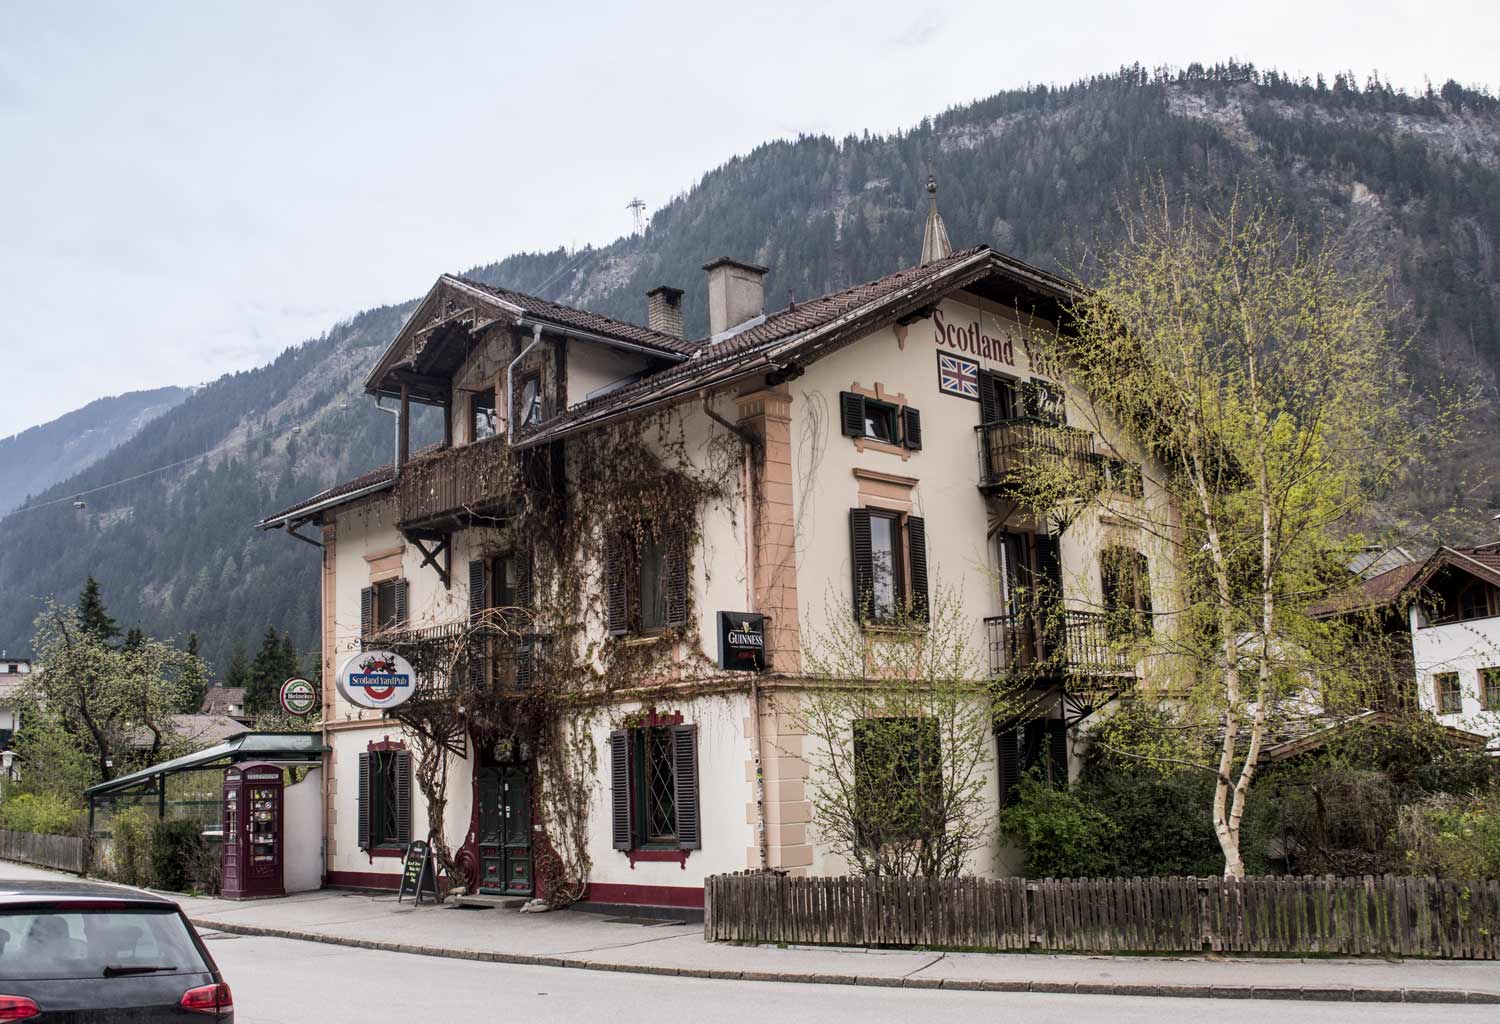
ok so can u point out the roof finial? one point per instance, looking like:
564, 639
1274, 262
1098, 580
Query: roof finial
935, 237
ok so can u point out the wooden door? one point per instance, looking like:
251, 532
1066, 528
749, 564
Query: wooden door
491, 866
515, 810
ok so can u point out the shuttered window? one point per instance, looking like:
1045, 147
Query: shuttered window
647, 582
879, 421
382, 606
888, 556
1125, 585
384, 799
654, 788
998, 398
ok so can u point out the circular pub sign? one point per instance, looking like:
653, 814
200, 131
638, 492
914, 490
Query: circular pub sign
298, 697
379, 680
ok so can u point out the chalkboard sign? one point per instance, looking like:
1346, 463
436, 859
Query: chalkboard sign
417, 872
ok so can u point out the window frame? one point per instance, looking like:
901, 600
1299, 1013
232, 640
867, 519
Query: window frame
899, 570
884, 412
1440, 691
643, 738
530, 413
1489, 688
630, 795
1125, 620
483, 401
385, 783
625, 582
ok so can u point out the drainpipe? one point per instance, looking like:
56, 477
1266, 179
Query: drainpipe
396, 453
510, 391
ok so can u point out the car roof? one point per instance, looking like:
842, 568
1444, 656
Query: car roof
61, 891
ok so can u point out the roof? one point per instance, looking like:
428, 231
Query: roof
17, 890
1396, 584
1304, 735
296, 747
583, 320
201, 728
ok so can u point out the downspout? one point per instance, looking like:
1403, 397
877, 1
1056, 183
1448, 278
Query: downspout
396, 450
510, 391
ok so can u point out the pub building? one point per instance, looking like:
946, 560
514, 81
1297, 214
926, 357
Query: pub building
873, 438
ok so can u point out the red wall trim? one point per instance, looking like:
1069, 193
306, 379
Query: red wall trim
647, 895
385, 743
371, 880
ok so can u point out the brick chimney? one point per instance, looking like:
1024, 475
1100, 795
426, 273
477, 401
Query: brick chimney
664, 310
736, 293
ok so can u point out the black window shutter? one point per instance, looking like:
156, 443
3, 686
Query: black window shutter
364, 801
685, 786
863, 561
614, 573
403, 796
1009, 749
1031, 399
619, 788
1049, 566
989, 398
400, 589
1143, 585
366, 612
675, 574
852, 413
911, 428
477, 602
1057, 750
916, 554
523, 578
525, 649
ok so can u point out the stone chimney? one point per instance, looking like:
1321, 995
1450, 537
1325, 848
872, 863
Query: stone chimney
736, 293
664, 310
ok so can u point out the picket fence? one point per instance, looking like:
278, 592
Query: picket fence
1366, 916
65, 853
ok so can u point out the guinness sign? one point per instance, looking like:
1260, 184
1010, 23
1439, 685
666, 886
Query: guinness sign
742, 641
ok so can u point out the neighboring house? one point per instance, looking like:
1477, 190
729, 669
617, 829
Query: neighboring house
14, 671
201, 730
225, 700
884, 427
1449, 606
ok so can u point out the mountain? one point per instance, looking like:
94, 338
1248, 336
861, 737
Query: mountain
35, 459
1412, 182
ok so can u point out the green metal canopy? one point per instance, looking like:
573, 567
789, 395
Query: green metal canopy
283, 747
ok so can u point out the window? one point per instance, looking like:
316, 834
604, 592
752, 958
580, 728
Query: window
384, 799
889, 558
874, 420
529, 408
382, 606
482, 422
66, 943
1474, 601
1489, 688
503, 581
1450, 699
998, 398
898, 784
1037, 748
1125, 583
654, 787
647, 581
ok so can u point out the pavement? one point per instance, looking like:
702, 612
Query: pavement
574, 939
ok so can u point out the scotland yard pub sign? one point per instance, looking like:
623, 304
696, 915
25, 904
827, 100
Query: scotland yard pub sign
742, 641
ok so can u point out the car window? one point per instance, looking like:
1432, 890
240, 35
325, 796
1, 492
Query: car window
42, 943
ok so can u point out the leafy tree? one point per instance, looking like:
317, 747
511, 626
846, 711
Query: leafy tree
274, 664
91, 614
237, 675
194, 679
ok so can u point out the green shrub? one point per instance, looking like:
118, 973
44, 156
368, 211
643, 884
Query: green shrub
1063, 835
177, 854
44, 813
1162, 824
1453, 837
131, 846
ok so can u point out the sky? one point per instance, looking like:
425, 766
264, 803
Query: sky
188, 188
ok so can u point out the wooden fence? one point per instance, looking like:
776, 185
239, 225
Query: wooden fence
1366, 916
65, 853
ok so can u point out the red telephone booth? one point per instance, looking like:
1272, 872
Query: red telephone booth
251, 855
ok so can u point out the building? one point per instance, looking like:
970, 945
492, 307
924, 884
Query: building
225, 700
607, 498
14, 671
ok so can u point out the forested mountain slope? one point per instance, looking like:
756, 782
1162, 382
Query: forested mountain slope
37, 458
1412, 181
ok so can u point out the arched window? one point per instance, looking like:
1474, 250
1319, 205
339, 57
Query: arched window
1125, 583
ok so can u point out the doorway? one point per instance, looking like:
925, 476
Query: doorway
504, 796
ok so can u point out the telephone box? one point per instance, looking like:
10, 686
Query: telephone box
252, 851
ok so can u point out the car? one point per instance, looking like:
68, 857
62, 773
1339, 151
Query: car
85, 952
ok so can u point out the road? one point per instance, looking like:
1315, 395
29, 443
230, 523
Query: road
284, 981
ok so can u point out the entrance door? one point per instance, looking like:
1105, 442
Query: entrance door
504, 795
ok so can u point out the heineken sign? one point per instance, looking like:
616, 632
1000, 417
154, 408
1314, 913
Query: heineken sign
298, 697
742, 641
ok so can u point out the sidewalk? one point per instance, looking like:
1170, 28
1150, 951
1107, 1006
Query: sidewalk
572, 939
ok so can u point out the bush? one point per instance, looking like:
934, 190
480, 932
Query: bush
177, 854
131, 844
1453, 837
43, 813
1063, 835
1161, 821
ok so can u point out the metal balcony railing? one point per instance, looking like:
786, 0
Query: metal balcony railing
1008, 449
1067, 643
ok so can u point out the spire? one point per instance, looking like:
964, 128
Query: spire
935, 238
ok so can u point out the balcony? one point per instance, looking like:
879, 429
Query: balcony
1077, 645
450, 487
1010, 449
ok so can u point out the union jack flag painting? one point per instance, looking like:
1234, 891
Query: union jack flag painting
958, 376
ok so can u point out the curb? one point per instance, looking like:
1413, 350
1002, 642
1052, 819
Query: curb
1320, 993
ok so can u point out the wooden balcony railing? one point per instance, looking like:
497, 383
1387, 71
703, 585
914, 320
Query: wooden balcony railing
1072, 643
1008, 449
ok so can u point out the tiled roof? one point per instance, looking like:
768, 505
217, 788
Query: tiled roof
383, 475
583, 320
1388, 587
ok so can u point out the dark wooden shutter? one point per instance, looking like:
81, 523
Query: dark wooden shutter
400, 589
366, 612
916, 555
911, 428
852, 413
403, 796
685, 786
1143, 587
1057, 750
523, 578
863, 562
1009, 748
525, 658
619, 789
477, 600
1047, 586
364, 801
675, 577
615, 558
989, 398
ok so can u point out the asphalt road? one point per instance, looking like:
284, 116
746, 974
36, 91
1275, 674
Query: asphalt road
284, 981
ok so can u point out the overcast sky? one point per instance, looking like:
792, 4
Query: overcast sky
187, 188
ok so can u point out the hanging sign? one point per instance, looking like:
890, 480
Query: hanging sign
298, 697
379, 680
742, 641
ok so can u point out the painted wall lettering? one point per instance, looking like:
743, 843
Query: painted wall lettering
970, 339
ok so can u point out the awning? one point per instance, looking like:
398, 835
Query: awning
281, 747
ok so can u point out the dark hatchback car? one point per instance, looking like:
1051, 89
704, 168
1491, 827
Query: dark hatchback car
84, 952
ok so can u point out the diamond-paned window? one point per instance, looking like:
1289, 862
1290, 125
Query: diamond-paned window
661, 800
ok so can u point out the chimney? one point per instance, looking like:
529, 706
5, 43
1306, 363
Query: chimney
664, 310
736, 293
